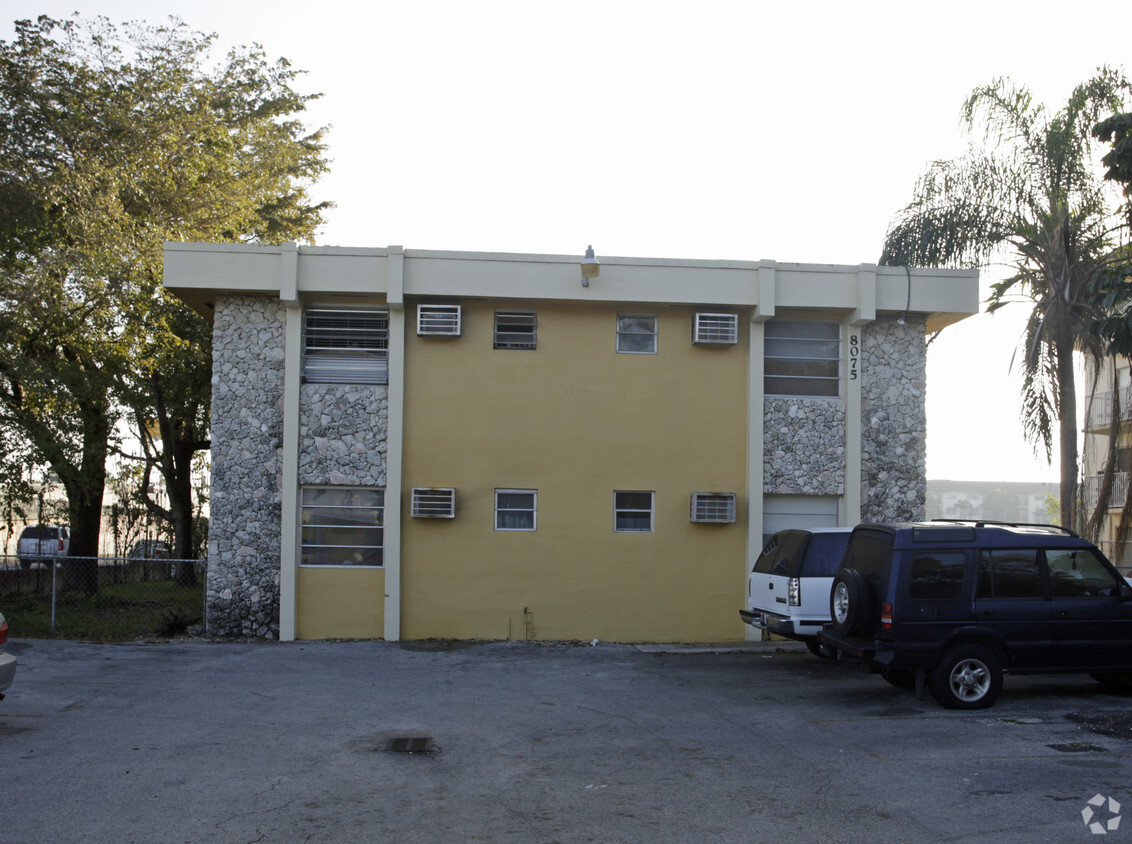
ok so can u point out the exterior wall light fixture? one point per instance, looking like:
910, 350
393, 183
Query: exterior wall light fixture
591, 268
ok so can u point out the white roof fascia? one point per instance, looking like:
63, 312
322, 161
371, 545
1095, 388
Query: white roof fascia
200, 272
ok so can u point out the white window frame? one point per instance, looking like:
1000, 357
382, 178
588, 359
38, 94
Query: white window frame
502, 512
797, 352
336, 529
621, 507
438, 320
715, 329
717, 508
506, 337
625, 331
433, 503
350, 346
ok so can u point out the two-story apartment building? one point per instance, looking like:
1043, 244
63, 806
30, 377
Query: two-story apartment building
1108, 425
423, 444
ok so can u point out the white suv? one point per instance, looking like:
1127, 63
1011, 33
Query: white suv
788, 589
42, 544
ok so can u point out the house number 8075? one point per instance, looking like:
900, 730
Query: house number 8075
854, 356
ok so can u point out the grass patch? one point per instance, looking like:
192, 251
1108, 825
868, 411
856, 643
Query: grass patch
113, 614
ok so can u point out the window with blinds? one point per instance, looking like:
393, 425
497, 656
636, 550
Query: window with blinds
345, 346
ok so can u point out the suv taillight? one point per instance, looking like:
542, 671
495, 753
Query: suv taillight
886, 616
60, 544
3, 632
794, 592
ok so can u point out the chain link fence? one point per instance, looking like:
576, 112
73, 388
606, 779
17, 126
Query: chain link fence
102, 599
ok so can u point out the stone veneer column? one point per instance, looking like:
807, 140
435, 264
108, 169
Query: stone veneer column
893, 420
804, 446
804, 438
242, 594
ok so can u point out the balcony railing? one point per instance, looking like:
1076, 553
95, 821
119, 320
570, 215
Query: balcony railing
1119, 490
1099, 412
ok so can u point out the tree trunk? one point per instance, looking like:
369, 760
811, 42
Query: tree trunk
179, 488
85, 485
80, 572
1067, 416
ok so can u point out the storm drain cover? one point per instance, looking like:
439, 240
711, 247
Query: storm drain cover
1077, 747
416, 744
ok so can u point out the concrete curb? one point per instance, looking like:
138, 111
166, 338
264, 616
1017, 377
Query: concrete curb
723, 647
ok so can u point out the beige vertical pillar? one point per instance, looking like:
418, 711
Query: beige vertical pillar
394, 443
292, 378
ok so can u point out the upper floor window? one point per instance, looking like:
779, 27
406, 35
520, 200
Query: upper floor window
802, 358
515, 329
345, 346
636, 334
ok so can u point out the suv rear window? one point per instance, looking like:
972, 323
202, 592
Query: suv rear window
39, 532
869, 551
780, 555
823, 555
937, 576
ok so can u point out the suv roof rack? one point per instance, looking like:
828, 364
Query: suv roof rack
994, 523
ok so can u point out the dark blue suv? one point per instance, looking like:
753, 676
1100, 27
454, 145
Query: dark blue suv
955, 605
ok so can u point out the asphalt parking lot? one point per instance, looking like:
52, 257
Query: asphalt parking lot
192, 741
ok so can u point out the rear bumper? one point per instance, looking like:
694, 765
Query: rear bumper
881, 655
7, 671
866, 651
780, 626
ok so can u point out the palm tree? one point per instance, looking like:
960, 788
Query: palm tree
1029, 195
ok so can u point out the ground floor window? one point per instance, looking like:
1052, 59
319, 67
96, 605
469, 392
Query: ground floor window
632, 512
343, 526
516, 509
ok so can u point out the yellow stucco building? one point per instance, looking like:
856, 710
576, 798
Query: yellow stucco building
422, 444
1108, 437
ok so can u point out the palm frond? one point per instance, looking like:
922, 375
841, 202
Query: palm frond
1040, 385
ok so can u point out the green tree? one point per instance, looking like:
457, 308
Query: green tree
1053, 509
1117, 130
1113, 287
1028, 195
113, 141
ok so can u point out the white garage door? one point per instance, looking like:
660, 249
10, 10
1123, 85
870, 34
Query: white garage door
798, 511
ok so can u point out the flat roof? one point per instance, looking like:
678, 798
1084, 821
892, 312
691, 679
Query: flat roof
199, 272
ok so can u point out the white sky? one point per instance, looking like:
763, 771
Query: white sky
740, 130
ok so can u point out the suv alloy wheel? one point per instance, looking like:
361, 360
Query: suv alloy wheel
968, 677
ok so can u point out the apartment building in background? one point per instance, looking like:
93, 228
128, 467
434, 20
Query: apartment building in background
1108, 425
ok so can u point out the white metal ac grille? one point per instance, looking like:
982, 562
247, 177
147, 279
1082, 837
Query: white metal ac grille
716, 328
438, 320
714, 507
433, 503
